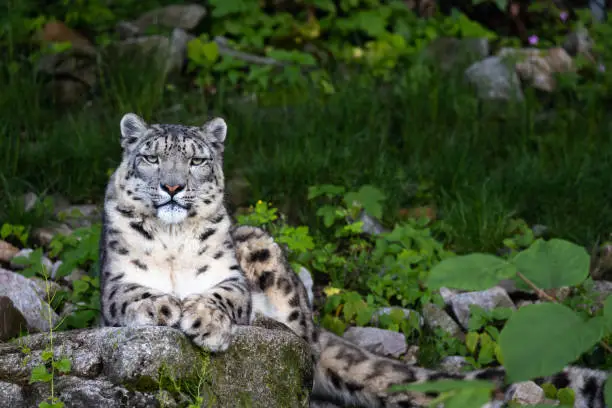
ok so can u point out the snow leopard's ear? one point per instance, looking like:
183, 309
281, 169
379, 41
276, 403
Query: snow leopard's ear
132, 128
216, 129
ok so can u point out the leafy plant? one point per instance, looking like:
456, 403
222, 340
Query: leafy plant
301, 46
80, 249
482, 339
538, 339
50, 366
20, 232
33, 264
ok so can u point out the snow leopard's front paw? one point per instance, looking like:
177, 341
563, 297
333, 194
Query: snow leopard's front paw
205, 324
141, 313
154, 311
257, 253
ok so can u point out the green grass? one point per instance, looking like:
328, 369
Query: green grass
482, 166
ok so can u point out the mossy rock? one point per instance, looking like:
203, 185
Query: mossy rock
263, 368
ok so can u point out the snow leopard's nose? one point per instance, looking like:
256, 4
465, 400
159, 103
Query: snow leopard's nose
172, 190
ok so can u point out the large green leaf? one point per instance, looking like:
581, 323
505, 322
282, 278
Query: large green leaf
470, 272
40, 374
541, 339
553, 264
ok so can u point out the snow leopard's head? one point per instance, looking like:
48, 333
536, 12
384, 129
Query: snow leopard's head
172, 171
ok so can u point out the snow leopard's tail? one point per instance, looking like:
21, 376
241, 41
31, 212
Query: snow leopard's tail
348, 375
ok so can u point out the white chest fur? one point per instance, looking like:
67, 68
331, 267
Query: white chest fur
178, 260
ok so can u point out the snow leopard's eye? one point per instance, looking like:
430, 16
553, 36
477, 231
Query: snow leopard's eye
151, 158
198, 161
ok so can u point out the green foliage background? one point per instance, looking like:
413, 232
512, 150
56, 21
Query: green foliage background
353, 117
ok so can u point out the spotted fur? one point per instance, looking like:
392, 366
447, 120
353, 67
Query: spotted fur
170, 256
278, 291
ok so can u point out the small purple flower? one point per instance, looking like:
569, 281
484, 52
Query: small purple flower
601, 68
563, 15
533, 39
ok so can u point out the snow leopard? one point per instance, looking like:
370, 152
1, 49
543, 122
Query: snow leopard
170, 255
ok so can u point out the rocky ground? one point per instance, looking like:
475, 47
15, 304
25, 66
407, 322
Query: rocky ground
158, 366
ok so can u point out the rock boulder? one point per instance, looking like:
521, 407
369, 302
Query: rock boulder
158, 366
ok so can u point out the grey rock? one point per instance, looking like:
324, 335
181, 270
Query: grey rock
12, 321
29, 201
380, 341
44, 235
77, 392
185, 16
127, 29
25, 253
130, 358
178, 49
435, 317
55, 268
12, 396
602, 287
154, 47
539, 230
75, 72
269, 368
370, 225
599, 10
487, 299
578, 42
284, 363
76, 274
168, 52
60, 202
46, 289
24, 295
527, 393
599, 291
495, 79
447, 294
74, 63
